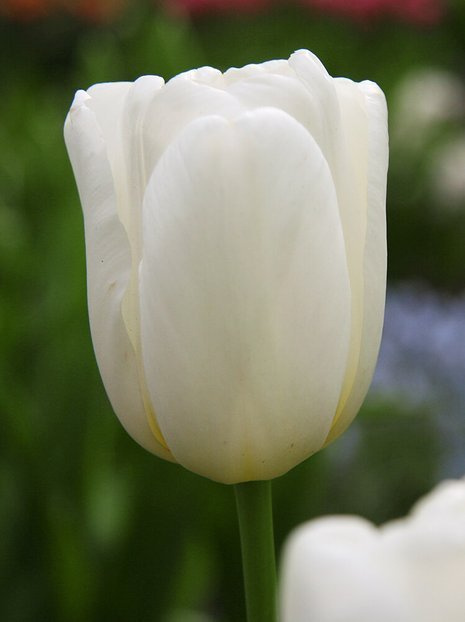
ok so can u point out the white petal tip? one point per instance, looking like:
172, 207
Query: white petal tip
307, 56
80, 99
371, 89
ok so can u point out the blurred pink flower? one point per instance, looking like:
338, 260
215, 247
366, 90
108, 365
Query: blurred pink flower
89, 10
204, 6
97, 10
417, 11
25, 9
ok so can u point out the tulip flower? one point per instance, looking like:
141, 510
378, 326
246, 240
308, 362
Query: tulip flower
236, 258
409, 570
236, 262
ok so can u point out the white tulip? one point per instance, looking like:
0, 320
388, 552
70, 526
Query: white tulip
344, 569
236, 258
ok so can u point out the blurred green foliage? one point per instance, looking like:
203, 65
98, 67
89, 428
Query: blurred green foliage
94, 528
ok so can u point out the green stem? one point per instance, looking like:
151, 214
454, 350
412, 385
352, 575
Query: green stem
255, 515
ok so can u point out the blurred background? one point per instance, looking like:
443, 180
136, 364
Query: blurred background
92, 527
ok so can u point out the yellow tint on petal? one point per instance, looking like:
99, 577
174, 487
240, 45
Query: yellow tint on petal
347, 390
149, 410
130, 313
151, 417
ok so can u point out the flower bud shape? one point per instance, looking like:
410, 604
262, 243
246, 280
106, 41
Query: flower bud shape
344, 569
236, 258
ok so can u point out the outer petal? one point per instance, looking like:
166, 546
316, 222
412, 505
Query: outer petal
108, 269
344, 136
132, 174
132, 181
106, 101
321, 92
151, 115
245, 298
333, 572
373, 288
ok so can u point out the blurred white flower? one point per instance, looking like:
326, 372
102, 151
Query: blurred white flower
423, 100
236, 257
447, 179
344, 569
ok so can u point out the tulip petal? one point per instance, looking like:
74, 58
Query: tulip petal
179, 102
132, 181
203, 75
106, 101
372, 290
276, 67
333, 111
301, 87
345, 143
290, 95
132, 171
245, 296
151, 117
108, 269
